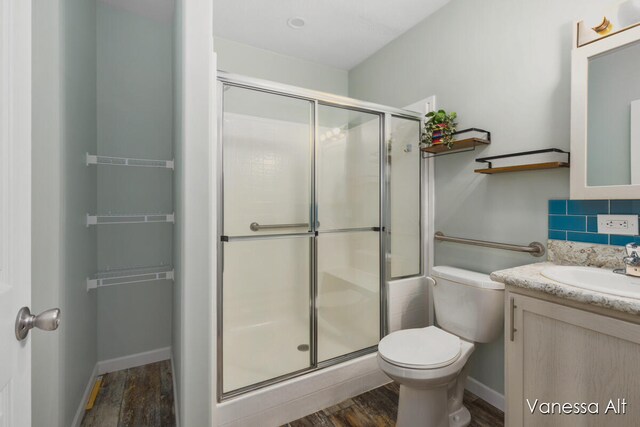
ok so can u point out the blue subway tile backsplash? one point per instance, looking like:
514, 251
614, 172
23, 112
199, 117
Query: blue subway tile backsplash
577, 221
625, 207
601, 239
557, 207
568, 222
587, 207
623, 240
557, 235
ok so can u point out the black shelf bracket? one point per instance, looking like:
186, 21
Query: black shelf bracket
488, 160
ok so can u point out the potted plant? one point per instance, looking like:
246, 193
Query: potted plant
439, 129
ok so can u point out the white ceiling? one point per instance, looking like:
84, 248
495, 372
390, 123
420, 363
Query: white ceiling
340, 33
158, 10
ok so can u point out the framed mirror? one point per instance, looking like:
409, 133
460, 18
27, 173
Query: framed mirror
605, 118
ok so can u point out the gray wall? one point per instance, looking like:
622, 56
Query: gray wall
78, 197
46, 207
64, 129
503, 66
250, 61
135, 119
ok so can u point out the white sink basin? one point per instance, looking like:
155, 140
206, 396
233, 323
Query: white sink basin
595, 279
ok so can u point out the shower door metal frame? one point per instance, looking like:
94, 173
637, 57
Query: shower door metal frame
421, 189
316, 98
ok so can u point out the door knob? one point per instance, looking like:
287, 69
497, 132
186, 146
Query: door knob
25, 321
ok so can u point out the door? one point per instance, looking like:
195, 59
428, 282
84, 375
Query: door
267, 252
15, 208
348, 151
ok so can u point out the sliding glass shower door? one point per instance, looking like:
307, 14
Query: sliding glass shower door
348, 242
267, 256
300, 286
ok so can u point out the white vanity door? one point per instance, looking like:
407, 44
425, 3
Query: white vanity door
561, 354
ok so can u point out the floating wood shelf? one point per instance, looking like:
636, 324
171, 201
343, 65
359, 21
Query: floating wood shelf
457, 145
473, 139
542, 163
531, 167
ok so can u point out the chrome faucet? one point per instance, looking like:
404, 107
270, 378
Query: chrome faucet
632, 260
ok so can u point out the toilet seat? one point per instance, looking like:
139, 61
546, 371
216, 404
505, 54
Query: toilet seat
424, 348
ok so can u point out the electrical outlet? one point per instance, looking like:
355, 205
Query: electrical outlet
618, 224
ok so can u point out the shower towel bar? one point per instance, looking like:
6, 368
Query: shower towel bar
254, 226
536, 249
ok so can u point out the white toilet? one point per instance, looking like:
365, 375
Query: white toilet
430, 363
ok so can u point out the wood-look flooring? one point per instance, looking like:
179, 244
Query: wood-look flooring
379, 407
136, 397
143, 397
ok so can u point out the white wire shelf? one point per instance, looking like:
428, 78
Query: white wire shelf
93, 159
132, 275
129, 219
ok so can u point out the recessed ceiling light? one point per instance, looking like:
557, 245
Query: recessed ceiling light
296, 22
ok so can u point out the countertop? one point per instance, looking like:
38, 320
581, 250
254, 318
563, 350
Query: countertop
529, 277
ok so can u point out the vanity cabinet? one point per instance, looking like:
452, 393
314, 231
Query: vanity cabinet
558, 354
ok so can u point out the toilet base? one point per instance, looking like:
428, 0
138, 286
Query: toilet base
429, 408
460, 418
426, 408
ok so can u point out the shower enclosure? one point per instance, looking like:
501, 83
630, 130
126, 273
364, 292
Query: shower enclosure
306, 241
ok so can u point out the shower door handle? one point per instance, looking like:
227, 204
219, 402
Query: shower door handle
254, 226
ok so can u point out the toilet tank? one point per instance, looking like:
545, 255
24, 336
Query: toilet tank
468, 304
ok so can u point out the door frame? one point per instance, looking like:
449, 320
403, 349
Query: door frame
15, 158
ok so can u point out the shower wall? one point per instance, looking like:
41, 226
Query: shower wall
275, 193
135, 119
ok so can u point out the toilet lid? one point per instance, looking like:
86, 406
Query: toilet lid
424, 348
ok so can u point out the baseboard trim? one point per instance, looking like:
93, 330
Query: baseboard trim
175, 392
134, 360
77, 420
486, 393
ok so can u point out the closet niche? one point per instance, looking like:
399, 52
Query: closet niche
134, 165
